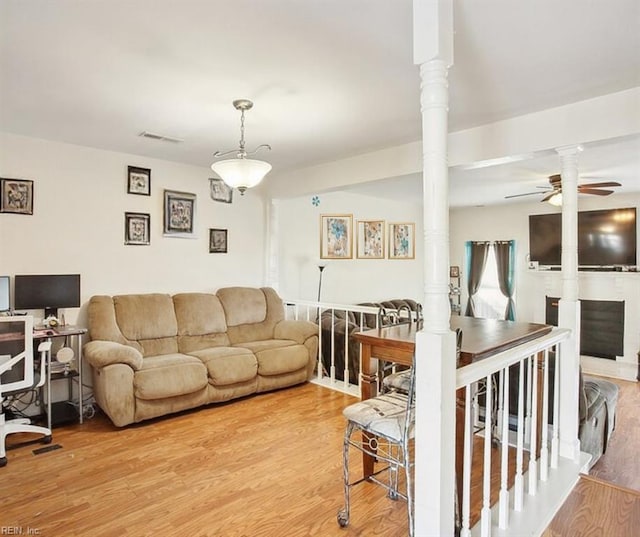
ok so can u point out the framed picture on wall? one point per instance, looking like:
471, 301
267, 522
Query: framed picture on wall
179, 213
336, 236
370, 239
218, 241
137, 230
402, 240
220, 191
16, 196
139, 181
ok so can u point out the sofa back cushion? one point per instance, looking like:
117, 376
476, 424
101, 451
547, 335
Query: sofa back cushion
201, 321
148, 319
251, 313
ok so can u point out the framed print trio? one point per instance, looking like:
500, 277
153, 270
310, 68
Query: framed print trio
402, 240
370, 239
336, 236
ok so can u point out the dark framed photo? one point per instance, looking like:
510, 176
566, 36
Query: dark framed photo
179, 213
220, 191
16, 196
454, 271
139, 181
137, 229
218, 241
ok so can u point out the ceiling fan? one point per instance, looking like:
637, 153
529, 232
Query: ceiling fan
553, 193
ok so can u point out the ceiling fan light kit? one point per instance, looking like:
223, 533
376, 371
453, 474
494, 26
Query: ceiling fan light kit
553, 194
241, 173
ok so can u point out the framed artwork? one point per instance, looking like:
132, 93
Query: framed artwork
402, 240
454, 271
220, 191
370, 239
218, 241
179, 213
16, 196
336, 236
137, 229
139, 181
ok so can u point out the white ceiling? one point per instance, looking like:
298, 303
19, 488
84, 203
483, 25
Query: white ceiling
329, 78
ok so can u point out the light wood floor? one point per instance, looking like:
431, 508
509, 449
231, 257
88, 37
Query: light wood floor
262, 466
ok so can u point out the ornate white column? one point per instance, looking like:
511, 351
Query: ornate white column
435, 357
569, 306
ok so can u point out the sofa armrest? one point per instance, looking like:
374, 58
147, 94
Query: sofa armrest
298, 331
102, 353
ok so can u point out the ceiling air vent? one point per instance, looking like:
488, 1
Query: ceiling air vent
154, 136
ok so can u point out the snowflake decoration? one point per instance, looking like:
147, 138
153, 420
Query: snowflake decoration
315, 201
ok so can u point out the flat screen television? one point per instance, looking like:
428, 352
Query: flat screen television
5, 302
606, 238
47, 291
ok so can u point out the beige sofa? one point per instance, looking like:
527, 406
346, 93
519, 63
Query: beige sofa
154, 354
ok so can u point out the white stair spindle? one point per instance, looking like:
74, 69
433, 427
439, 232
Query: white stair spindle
518, 486
466, 468
544, 448
555, 440
533, 462
485, 516
503, 520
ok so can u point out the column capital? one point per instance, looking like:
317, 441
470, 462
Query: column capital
568, 150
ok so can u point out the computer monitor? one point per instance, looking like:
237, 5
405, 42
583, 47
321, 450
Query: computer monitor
47, 291
5, 296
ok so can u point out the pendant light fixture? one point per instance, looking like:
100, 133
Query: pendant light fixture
241, 172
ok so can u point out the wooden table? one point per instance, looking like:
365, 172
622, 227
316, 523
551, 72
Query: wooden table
480, 338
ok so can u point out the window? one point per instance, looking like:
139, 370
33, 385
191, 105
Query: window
490, 303
490, 277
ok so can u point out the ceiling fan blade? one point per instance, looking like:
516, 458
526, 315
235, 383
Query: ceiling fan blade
597, 185
595, 191
520, 195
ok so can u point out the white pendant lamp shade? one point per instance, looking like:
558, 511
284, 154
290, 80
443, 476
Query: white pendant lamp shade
241, 173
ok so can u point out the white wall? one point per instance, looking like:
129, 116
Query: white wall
345, 281
80, 197
506, 222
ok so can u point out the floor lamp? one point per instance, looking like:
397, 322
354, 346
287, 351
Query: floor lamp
321, 267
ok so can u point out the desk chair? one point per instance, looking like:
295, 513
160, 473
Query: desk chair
17, 375
386, 424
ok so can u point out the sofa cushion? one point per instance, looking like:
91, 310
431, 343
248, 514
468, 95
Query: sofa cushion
277, 356
228, 365
252, 314
243, 305
148, 319
201, 321
169, 375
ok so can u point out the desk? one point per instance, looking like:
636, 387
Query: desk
40, 333
480, 338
